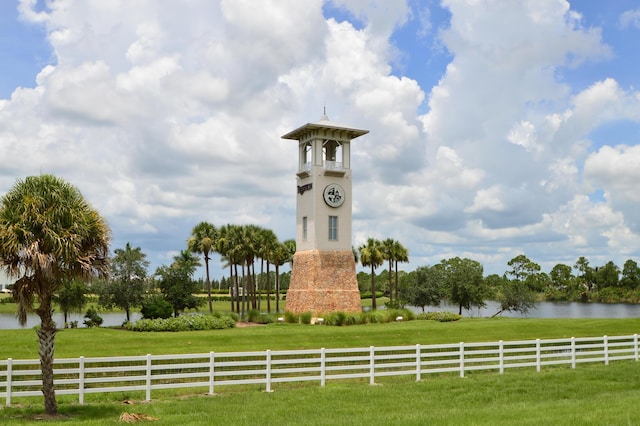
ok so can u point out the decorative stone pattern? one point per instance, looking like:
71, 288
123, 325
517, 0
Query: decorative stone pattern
322, 282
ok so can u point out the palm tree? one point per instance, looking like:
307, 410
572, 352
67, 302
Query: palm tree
228, 245
389, 255
49, 234
371, 255
279, 256
400, 254
203, 240
268, 252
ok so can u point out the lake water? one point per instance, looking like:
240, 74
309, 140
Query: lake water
551, 310
543, 310
9, 321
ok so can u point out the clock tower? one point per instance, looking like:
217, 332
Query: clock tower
323, 277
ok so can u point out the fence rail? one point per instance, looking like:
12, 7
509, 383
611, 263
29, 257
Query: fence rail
82, 376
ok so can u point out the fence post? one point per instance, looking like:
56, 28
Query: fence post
9, 374
212, 359
538, 357
573, 352
268, 370
635, 347
418, 359
81, 381
323, 366
461, 359
148, 395
372, 365
605, 344
501, 355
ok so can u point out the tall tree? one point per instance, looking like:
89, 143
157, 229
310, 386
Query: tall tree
464, 282
525, 271
563, 284
269, 245
176, 282
203, 240
388, 253
586, 274
126, 286
427, 287
630, 275
49, 234
72, 297
400, 254
282, 254
607, 275
371, 255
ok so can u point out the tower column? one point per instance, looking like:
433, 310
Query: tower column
323, 277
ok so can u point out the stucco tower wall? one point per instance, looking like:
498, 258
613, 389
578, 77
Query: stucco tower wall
323, 281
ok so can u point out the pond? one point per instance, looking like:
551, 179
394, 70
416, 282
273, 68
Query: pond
551, 310
9, 321
543, 310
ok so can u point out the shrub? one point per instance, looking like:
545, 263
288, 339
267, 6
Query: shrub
252, 315
156, 307
442, 316
406, 314
188, 322
335, 318
305, 317
265, 318
290, 317
92, 318
374, 317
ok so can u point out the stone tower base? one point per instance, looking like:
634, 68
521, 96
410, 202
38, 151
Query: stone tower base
323, 281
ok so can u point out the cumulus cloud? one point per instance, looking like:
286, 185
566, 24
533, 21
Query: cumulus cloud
166, 114
630, 18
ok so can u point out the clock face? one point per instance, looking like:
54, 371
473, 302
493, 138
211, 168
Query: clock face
333, 195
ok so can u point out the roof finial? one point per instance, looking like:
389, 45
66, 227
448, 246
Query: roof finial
324, 114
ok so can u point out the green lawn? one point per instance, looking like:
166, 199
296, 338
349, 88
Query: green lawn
20, 344
590, 394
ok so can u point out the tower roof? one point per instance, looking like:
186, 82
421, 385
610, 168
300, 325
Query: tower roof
324, 123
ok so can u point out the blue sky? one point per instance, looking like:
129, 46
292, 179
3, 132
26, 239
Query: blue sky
496, 127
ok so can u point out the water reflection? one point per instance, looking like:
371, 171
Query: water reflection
551, 310
543, 310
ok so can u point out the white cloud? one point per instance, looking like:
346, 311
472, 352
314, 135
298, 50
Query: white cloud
630, 18
166, 114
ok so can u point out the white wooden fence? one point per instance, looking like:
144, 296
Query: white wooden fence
82, 376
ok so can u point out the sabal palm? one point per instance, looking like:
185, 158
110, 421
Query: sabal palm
281, 254
49, 234
268, 252
389, 256
203, 240
400, 254
371, 255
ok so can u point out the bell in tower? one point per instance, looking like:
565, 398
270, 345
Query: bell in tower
323, 277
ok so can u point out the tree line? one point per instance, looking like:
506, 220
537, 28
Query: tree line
461, 282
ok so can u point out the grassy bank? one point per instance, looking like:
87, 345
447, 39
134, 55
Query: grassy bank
590, 394
20, 344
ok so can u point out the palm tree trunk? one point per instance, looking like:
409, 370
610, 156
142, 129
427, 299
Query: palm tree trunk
244, 290
396, 262
206, 265
390, 283
277, 288
231, 286
237, 295
373, 288
46, 339
268, 290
